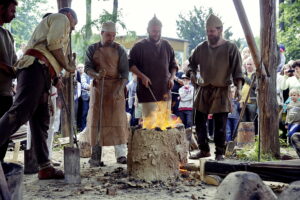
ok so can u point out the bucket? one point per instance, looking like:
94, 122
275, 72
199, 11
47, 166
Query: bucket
14, 176
246, 134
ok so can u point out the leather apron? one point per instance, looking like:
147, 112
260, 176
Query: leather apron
114, 126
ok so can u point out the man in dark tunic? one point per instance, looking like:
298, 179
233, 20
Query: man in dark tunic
7, 60
220, 65
153, 61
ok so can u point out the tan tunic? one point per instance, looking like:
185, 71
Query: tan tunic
219, 67
114, 127
52, 33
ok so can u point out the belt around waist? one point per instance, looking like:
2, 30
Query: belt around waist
37, 54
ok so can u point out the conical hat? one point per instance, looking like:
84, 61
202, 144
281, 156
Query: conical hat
213, 21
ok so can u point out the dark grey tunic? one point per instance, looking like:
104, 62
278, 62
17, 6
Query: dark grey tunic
7, 57
156, 61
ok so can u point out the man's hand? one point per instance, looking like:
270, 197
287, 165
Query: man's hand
72, 64
101, 74
170, 83
238, 94
193, 79
146, 81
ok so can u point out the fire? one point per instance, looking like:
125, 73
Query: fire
161, 117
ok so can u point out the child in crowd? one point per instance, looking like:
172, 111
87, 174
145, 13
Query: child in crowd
293, 112
186, 108
233, 116
293, 119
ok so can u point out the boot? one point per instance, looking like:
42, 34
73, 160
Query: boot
95, 160
191, 139
50, 173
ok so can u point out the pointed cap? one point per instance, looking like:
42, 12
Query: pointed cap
213, 21
154, 22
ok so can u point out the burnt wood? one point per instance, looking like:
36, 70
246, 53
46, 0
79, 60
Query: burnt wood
278, 171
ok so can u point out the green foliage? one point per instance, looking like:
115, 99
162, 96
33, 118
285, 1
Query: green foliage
250, 153
29, 14
81, 42
192, 26
290, 36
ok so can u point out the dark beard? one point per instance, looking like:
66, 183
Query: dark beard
154, 41
214, 40
7, 19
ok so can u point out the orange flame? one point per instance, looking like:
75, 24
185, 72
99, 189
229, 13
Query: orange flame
161, 117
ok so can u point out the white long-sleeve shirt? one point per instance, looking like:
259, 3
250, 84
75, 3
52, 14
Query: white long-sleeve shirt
186, 97
290, 82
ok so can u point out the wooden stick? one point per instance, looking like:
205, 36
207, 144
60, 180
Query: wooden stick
249, 36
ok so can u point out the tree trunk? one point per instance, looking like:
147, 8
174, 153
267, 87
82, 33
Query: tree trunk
63, 3
156, 155
88, 28
115, 11
267, 101
65, 125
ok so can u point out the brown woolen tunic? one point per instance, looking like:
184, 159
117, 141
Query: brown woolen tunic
219, 67
156, 61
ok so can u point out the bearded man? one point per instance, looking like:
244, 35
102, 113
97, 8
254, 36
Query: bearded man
107, 63
219, 63
153, 61
7, 60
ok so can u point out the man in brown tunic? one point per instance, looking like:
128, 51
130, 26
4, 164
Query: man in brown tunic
107, 63
7, 59
219, 63
153, 61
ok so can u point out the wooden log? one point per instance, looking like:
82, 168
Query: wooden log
246, 134
279, 171
156, 155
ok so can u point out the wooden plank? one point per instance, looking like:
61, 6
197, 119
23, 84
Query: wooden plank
4, 191
279, 171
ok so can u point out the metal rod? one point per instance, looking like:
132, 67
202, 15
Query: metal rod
101, 89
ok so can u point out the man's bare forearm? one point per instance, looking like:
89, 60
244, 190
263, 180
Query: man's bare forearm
62, 59
137, 72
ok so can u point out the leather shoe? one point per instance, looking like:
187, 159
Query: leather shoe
122, 160
201, 154
50, 173
219, 157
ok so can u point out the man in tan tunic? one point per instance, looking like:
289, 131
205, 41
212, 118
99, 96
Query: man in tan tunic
44, 59
107, 63
220, 64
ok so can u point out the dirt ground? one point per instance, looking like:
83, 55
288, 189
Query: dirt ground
112, 182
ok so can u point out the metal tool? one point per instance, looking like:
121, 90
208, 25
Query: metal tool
71, 154
95, 160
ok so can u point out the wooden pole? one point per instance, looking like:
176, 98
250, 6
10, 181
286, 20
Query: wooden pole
248, 35
66, 127
266, 98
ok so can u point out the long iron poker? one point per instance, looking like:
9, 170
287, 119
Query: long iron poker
154, 97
